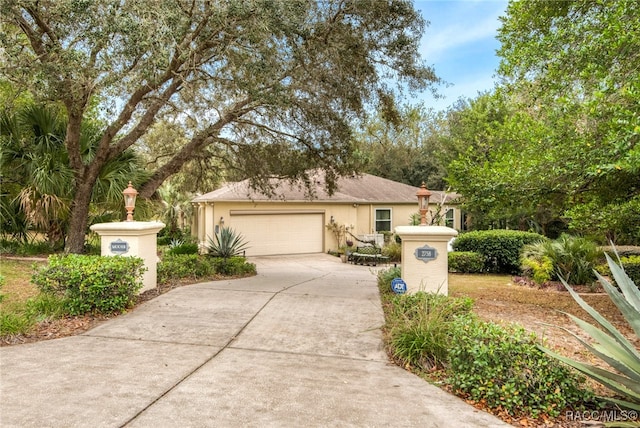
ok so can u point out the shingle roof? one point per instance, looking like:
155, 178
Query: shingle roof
363, 188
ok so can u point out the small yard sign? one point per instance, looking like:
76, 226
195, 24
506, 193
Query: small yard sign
398, 286
119, 247
426, 253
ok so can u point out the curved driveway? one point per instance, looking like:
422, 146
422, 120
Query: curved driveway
298, 345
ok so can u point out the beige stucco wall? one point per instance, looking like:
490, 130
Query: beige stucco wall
358, 217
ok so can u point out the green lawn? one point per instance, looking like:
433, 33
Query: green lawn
17, 288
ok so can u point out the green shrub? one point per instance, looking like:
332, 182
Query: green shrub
420, 327
163, 241
503, 367
193, 266
233, 266
168, 234
539, 269
92, 283
385, 276
179, 266
500, 248
570, 257
183, 248
393, 250
465, 262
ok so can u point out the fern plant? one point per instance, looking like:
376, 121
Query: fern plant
608, 343
227, 243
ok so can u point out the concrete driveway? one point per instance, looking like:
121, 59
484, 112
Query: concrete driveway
297, 345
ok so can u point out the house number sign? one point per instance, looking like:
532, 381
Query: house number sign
119, 247
426, 253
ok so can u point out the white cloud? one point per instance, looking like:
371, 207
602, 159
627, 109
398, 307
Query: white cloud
460, 43
437, 45
457, 24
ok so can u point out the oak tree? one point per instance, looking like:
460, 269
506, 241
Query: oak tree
273, 87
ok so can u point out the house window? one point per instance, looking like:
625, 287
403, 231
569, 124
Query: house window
448, 218
383, 219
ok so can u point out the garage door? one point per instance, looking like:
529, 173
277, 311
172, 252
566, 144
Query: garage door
280, 233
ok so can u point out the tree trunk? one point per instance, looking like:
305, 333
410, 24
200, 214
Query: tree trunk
79, 218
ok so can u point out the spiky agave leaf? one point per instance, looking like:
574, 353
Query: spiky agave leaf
608, 343
227, 243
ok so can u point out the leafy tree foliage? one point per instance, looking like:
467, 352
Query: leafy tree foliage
556, 145
577, 61
36, 177
407, 152
271, 86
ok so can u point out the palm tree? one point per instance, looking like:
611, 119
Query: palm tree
176, 208
39, 182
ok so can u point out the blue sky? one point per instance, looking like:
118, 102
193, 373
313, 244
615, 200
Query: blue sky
460, 44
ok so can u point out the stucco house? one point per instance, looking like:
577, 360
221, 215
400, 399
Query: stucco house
289, 222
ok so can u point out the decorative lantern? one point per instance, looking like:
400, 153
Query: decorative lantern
423, 203
130, 200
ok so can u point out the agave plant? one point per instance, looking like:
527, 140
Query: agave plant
608, 343
226, 243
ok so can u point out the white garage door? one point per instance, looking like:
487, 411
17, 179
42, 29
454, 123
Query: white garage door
281, 233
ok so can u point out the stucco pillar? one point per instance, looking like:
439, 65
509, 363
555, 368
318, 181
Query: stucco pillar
425, 266
132, 238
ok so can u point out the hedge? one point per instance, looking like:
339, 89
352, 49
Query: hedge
465, 262
92, 283
501, 248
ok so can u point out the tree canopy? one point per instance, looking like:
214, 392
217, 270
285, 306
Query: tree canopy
556, 145
408, 152
269, 87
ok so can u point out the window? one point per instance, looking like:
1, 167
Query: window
383, 219
448, 218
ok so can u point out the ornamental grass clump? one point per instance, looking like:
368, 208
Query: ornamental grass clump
421, 327
570, 257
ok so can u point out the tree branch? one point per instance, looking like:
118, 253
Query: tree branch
196, 145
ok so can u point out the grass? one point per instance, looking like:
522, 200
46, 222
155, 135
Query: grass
21, 302
17, 288
492, 288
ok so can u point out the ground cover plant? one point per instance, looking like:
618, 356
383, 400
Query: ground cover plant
502, 367
499, 302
